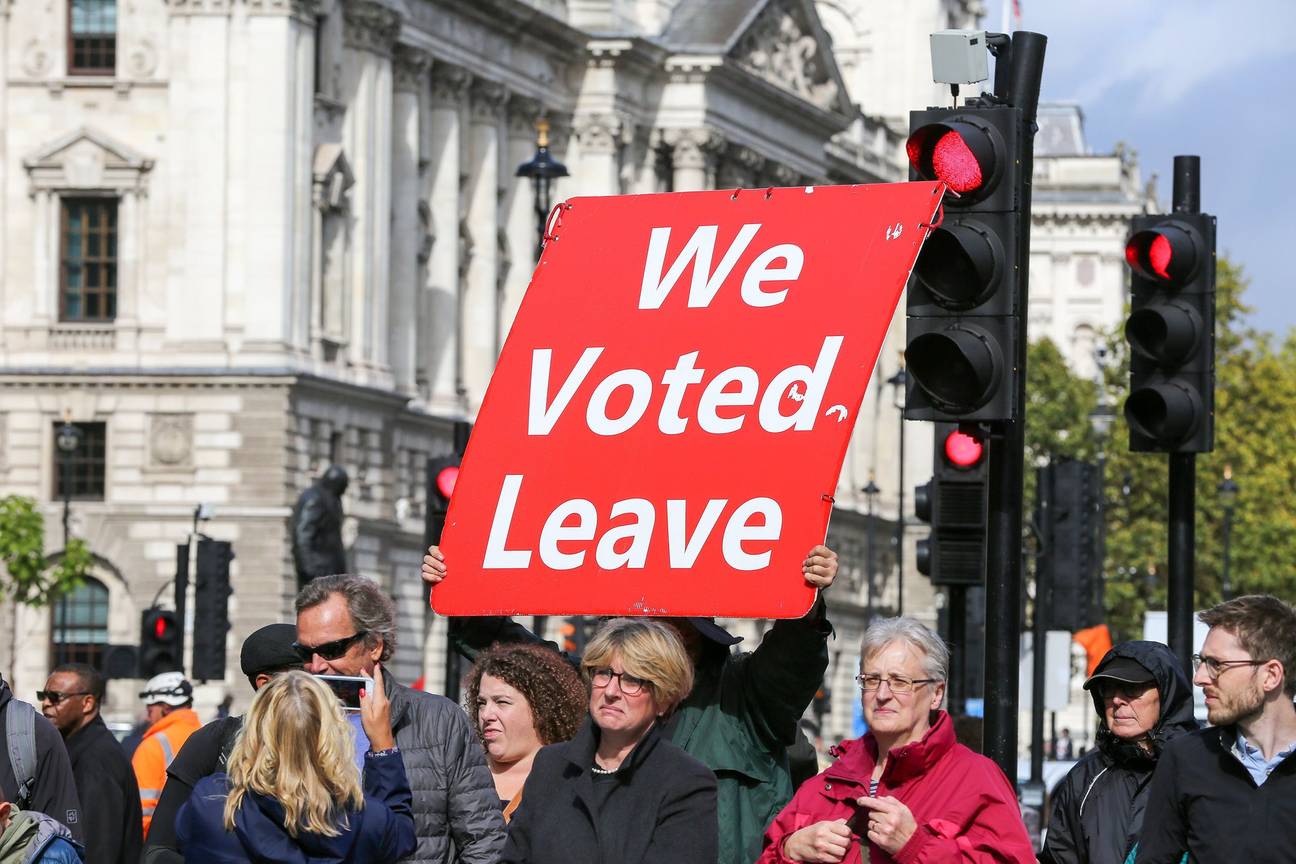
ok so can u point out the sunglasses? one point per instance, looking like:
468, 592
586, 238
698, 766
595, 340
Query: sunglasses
54, 697
328, 650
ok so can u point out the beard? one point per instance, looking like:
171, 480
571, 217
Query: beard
1238, 705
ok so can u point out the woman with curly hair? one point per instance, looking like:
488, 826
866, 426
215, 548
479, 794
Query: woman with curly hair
520, 698
293, 792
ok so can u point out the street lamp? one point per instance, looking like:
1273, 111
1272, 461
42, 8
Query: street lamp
1228, 491
898, 382
542, 169
870, 495
67, 439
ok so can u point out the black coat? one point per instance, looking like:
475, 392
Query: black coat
1204, 801
1098, 808
54, 792
110, 812
661, 810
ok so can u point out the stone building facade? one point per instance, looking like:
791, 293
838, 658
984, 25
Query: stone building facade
241, 240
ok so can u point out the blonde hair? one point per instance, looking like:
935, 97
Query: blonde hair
649, 650
296, 747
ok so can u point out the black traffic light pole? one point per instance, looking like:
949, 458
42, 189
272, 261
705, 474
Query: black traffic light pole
1039, 615
1183, 472
1007, 448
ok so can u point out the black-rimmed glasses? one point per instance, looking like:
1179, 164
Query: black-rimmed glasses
630, 685
899, 684
1216, 668
328, 650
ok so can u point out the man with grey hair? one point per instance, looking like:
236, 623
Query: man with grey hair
346, 625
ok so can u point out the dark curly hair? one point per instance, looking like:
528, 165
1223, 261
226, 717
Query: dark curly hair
552, 687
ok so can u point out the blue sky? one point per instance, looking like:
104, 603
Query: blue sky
1215, 79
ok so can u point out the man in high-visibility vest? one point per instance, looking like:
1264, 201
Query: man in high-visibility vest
172, 720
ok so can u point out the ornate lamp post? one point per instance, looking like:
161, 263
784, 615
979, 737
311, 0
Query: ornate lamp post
870, 495
67, 439
1228, 491
542, 169
898, 382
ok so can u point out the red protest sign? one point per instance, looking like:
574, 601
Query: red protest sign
665, 426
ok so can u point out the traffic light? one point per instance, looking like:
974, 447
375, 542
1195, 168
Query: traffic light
954, 503
573, 635
442, 477
963, 299
822, 703
159, 643
211, 609
1073, 537
1171, 333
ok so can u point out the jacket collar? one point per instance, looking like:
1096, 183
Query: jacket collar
399, 696
580, 751
186, 715
859, 757
86, 736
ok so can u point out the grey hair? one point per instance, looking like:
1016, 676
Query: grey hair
935, 652
372, 611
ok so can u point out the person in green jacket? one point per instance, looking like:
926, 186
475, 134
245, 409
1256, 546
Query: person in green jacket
743, 711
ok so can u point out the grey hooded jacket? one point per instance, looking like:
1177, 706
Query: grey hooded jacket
457, 814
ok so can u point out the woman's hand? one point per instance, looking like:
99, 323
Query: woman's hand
434, 569
890, 823
820, 843
375, 714
819, 567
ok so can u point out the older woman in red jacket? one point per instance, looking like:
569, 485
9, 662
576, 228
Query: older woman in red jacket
907, 791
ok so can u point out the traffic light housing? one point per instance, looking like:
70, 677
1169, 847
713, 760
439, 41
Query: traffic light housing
160, 647
1073, 537
955, 504
211, 609
1171, 333
963, 315
441, 478
572, 631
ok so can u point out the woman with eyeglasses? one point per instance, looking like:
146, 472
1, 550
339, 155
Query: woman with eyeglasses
907, 790
1143, 700
520, 698
620, 792
292, 793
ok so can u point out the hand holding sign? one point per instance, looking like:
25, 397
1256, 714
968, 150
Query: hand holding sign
666, 423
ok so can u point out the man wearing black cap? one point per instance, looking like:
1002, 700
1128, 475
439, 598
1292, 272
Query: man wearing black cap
742, 713
1143, 700
265, 653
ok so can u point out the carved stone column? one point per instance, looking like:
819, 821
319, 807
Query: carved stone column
740, 168
410, 68
480, 301
439, 348
694, 158
598, 171
520, 216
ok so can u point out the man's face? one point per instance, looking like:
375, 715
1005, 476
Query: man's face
326, 627
1131, 710
156, 711
71, 712
1236, 694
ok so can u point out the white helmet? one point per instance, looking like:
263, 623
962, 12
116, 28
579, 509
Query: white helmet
169, 688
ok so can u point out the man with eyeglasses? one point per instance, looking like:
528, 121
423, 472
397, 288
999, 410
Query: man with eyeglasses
1228, 792
110, 811
346, 625
50, 786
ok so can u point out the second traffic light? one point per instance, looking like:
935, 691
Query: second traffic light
963, 299
211, 609
160, 647
1171, 333
572, 631
954, 503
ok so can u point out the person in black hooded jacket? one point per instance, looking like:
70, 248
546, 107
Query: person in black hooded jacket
1143, 700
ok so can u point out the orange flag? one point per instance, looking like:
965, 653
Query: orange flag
1096, 641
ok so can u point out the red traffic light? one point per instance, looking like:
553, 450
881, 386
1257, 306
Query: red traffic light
1167, 253
446, 479
161, 628
958, 153
963, 450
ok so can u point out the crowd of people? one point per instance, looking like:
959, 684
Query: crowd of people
660, 743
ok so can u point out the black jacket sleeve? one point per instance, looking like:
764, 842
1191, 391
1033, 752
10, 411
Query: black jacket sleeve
54, 792
1165, 835
1064, 842
107, 833
782, 675
474, 634
198, 757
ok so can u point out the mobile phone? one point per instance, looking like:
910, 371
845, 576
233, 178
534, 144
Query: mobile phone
347, 688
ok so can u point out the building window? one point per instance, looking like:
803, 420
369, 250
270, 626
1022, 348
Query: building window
88, 271
80, 474
81, 625
92, 37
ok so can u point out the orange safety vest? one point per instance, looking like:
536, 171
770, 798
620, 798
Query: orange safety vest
160, 745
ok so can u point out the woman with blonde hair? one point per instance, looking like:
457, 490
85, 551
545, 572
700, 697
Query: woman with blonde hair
620, 792
293, 792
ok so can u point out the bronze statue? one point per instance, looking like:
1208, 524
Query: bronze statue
317, 527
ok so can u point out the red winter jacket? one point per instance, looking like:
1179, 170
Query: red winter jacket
965, 809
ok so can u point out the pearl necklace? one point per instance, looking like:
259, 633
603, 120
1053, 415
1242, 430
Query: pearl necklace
598, 769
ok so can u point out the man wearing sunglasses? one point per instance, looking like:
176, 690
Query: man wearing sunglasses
110, 811
346, 625
51, 789
1228, 792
